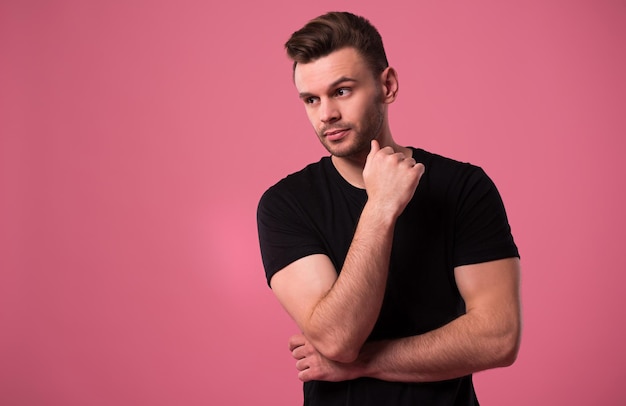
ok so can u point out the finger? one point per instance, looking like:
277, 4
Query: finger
419, 168
305, 371
373, 150
296, 341
410, 161
304, 375
375, 147
298, 352
399, 156
302, 364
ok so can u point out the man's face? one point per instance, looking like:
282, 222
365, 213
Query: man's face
343, 101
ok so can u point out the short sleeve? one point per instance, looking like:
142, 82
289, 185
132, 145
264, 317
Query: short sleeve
482, 231
285, 235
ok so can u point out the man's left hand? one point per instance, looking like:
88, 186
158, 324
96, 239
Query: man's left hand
313, 366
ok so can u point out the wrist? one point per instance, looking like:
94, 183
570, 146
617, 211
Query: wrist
365, 365
381, 213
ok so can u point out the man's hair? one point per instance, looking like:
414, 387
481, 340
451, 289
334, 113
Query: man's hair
333, 31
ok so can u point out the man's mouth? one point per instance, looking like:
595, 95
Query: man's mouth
336, 133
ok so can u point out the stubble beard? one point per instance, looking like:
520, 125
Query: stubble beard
361, 140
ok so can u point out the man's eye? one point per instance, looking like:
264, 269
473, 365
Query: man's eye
342, 91
310, 100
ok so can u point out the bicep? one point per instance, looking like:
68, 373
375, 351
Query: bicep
302, 284
491, 288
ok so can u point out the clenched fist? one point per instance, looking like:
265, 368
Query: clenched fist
390, 178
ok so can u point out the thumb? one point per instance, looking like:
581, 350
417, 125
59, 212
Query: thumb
375, 147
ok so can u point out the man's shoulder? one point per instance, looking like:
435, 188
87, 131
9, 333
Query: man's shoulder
448, 179
299, 184
443, 166
302, 178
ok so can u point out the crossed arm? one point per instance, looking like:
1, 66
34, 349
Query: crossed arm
487, 336
336, 313
335, 320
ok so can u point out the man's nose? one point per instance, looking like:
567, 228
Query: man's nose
329, 112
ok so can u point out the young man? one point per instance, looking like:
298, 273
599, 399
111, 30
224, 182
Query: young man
398, 265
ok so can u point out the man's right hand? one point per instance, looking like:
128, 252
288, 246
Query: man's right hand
390, 178
337, 310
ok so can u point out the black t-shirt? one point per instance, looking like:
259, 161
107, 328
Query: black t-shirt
456, 217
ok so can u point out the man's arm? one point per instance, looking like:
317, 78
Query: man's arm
337, 313
487, 336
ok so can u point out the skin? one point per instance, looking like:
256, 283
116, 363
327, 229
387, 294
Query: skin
486, 337
347, 105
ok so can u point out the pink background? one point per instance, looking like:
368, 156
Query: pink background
137, 137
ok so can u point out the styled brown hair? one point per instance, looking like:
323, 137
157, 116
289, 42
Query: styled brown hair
333, 31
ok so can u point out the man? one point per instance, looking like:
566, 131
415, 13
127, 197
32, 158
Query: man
397, 264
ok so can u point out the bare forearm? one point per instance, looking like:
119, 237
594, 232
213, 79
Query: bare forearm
466, 345
486, 336
345, 316
337, 313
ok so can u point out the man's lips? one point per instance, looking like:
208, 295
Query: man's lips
336, 133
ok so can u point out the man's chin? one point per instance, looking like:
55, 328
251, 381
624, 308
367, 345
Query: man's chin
348, 151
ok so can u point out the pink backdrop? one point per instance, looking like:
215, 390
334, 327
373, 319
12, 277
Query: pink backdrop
137, 137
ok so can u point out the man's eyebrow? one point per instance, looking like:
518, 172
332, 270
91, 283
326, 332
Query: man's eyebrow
343, 79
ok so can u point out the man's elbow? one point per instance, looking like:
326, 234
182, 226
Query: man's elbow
343, 355
336, 350
508, 347
508, 356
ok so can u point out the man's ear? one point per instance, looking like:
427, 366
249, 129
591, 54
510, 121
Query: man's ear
389, 84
